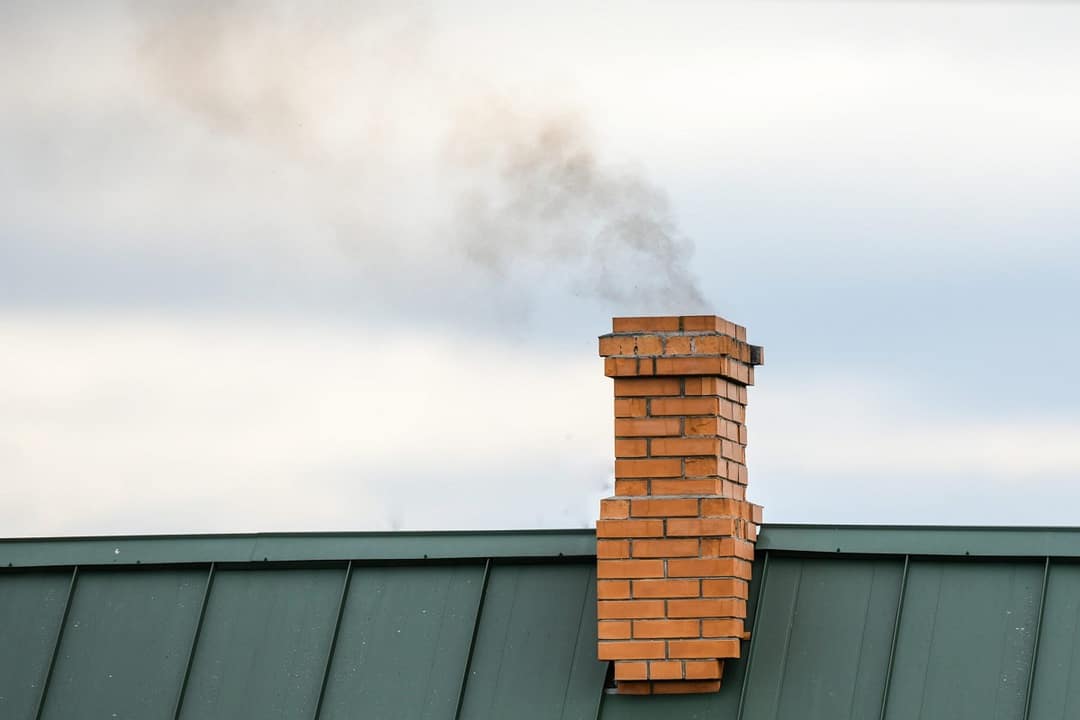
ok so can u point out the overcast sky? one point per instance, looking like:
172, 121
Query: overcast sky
335, 266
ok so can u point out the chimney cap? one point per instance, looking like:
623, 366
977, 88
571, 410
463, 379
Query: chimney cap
679, 345
677, 324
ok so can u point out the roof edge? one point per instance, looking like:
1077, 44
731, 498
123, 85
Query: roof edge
119, 550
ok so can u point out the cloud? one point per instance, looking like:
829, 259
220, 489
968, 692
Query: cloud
859, 448
129, 423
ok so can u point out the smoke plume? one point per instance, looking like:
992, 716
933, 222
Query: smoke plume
336, 90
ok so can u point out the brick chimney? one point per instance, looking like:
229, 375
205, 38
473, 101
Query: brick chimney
675, 544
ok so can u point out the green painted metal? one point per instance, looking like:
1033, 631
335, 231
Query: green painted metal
895, 637
1038, 637
989, 542
966, 640
403, 641
1056, 687
119, 653
31, 606
55, 651
518, 544
295, 547
472, 639
983, 623
194, 644
823, 644
333, 640
535, 653
262, 644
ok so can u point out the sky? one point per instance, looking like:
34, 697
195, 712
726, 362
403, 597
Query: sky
342, 266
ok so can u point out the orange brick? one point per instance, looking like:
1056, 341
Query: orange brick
701, 386
613, 630
631, 671
624, 367
751, 533
713, 547
633, 650
697, 526
706, 607
684, 406
706, 467
630, 345
701, 567
645, 324
723, 507
727, 547
624, 487
612, 549
625, 448
665, 670
664, 507
702, 365
677, 345
614, 509
732, 451
712, 345
629, 609
633, 688
651, 629
647, 427
651, 467
703, 669
729, 430
732, 488
700, 323
629, 528
693, 649
685, 687
609, 569
666, 588
684, 446
744, 549
647, 387
697, 486
756, 513
722, 587
708, 425
629, 407
613, 589
728, 627
665, 548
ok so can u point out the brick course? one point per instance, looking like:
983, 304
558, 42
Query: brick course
675, 544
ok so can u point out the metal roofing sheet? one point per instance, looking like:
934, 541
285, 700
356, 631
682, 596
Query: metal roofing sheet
31, 605
535, 652
971, 623
124, 642
403, 642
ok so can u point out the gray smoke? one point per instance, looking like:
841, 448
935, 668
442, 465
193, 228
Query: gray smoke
544, 197
529, 198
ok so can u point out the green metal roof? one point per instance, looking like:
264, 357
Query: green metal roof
847, 622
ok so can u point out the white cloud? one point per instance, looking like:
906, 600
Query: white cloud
141, 423
851, 448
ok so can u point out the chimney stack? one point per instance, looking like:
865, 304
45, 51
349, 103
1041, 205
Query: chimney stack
675, 544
